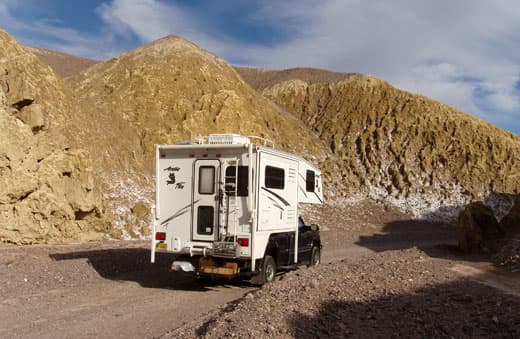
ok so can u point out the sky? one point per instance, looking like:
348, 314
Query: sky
465, 53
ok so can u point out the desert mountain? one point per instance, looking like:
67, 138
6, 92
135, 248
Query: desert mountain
261, 79
63, 64
48, 191
166, 92
403, 147
371, 139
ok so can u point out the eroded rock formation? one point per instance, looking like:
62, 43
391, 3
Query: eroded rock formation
402, 147
49, 194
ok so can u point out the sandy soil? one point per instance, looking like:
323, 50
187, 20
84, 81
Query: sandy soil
110, 289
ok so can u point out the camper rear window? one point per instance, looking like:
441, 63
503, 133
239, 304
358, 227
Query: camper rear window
274, 177
206, 180
243, 179
309, 181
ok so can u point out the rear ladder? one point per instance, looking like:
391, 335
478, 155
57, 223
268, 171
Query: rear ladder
227, 246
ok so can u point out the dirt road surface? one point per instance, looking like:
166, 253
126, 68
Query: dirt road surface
110, 289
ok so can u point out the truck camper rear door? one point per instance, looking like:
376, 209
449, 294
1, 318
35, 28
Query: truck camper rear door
205, 200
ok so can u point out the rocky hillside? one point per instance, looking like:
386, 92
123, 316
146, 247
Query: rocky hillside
48, 191
261, 79
166, 92
403, 147
380, 142
63, 64
98, 130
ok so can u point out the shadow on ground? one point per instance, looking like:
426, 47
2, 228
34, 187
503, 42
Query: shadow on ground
133, 264
458, 309
435, 239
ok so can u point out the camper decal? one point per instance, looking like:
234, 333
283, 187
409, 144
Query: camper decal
171, 177
172, 169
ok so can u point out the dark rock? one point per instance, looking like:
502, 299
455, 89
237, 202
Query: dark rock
478, 229
511, 222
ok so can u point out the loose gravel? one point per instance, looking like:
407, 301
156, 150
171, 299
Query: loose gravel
399, 293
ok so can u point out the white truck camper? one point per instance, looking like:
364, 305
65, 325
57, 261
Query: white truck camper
228, 205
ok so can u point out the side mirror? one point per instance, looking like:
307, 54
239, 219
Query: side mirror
314, 227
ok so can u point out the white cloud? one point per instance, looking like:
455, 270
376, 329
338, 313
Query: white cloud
151, 20
464, 53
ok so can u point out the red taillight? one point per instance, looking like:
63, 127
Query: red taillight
160, 236
243, 241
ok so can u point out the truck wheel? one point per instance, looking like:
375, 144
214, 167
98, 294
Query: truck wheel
267, 273
269, 268
315, 257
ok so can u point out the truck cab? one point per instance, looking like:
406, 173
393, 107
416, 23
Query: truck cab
280, 251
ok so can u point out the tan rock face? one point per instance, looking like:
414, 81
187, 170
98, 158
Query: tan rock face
403, 147
49, 194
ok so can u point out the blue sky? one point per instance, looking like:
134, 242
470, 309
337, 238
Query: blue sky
465, 53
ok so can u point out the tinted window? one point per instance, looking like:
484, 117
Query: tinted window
274, 177
309, 181
206, 180
243, 180
205, 219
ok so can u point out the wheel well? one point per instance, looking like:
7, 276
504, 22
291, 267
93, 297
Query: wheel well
272, 250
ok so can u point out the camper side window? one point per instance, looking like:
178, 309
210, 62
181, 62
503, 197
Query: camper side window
206, 180
274, 177
309, 181
243, 180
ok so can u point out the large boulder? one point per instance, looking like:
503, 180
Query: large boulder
509, 254
511, 222
479, 230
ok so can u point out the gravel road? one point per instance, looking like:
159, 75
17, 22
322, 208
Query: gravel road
383, 274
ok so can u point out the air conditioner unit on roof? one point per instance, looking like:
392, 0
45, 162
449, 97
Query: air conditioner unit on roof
228, 139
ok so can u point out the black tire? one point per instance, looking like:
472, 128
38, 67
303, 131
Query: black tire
268, 272
315, 257
269, 269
